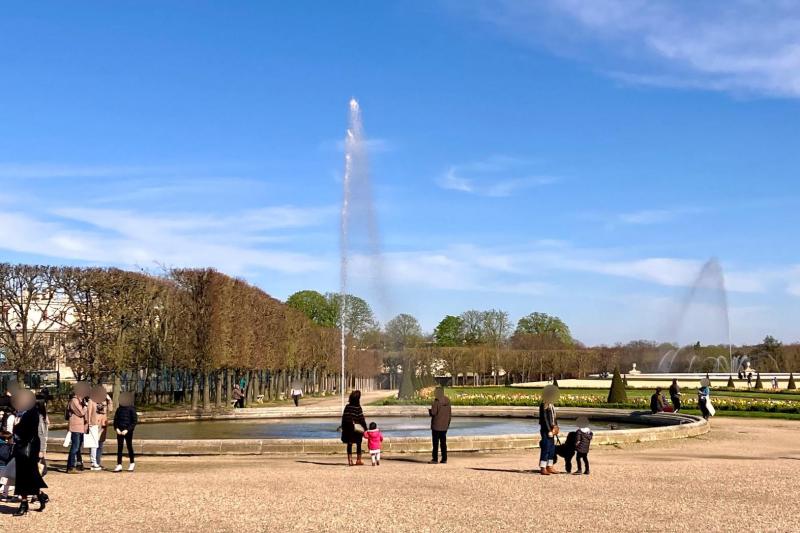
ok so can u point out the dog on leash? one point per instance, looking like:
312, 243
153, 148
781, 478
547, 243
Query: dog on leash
566, 450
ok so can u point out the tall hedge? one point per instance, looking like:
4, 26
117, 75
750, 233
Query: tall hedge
791, 385
617, 394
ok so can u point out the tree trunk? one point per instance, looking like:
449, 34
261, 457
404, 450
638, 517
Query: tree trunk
115, 389
195, 392
218, 397
206, 390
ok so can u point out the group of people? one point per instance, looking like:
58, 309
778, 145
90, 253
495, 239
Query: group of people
87, 415
23, 445
659, 404
354, 429
577, 442
24, 430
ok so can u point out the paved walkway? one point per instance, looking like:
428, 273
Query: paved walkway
742, 476
336, 401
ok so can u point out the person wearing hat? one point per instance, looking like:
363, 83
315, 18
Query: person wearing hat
548, 429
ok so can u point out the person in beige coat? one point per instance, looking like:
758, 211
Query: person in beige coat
98, 408
77, 415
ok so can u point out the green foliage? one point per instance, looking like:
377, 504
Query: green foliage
449, 332
358, 319
759, 384
617, 394
314, 306
791, 385
545, 326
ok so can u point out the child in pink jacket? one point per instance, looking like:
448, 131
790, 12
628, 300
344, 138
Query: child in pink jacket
374, 439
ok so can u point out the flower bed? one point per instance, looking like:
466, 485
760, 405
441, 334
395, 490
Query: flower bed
721, 403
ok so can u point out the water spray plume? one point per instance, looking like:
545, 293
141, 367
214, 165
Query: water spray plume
358, 212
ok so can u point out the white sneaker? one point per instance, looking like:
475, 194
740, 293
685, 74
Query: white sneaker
96, 468
131, 467
118, 468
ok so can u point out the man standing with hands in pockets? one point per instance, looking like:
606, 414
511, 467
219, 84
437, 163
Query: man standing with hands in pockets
441, 414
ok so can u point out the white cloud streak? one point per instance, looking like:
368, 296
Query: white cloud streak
497, 176
743, 46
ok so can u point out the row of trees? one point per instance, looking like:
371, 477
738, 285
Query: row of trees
486, 347
192, 330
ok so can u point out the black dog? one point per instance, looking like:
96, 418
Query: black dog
566, 450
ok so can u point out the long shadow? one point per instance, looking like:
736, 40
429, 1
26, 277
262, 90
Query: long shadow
406, 460
506, 470
321, 463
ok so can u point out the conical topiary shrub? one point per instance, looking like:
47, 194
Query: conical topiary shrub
791, 385
407, 388
730, 384
555, 382
759, 385
617, 394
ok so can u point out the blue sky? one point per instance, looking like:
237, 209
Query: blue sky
578, 158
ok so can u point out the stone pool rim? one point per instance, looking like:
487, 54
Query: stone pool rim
661, 426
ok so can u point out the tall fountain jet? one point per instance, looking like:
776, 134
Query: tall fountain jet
358, 220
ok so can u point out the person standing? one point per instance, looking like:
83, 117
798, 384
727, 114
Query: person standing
297, 393
78, 425
238, 396
441, 415
704, 398
28, 482
675, 395
97, 414
353, 427
548, 429
125, 420
44, 432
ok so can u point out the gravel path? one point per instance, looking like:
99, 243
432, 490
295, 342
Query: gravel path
744, 475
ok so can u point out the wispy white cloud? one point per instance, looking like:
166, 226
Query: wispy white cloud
743, 46
233, 243
496, 176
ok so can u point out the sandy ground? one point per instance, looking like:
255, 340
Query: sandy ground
744, 475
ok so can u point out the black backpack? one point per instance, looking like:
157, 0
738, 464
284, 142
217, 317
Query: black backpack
5, 453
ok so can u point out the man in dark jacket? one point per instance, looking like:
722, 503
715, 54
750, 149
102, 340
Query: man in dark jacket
675, 395
441, 414
657, 401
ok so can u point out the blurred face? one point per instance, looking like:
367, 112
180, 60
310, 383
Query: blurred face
99, 394
126, 399
23, 400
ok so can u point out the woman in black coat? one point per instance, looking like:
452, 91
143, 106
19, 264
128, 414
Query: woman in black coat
352, 415
29, 481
